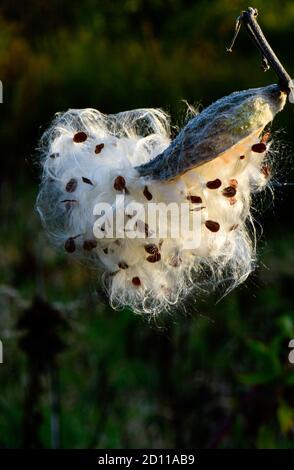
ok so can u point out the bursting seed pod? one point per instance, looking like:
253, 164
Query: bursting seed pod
213, 166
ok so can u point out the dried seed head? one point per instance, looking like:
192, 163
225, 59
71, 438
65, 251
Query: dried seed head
80, 137
222, 252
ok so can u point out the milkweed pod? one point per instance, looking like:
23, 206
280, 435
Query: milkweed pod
228, 122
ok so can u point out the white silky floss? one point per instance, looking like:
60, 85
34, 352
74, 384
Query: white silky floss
90, 161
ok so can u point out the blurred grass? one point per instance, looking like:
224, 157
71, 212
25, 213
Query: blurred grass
217, 376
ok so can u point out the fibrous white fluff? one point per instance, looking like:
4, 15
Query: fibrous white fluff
89, 158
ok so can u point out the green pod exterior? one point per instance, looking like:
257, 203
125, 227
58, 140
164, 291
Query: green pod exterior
215, 130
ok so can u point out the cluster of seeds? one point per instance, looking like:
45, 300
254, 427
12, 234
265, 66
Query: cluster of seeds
89, 165
153, 251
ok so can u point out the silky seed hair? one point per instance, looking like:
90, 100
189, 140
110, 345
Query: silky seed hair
88, 157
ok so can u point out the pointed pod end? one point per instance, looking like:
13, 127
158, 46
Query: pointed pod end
275, 97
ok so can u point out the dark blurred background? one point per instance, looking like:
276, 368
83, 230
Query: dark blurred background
75, 372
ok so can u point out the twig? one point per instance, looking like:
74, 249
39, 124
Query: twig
248, 18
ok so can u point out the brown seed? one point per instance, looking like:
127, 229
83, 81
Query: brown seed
119, 183
230, 191
242, 157
54, 155
194, 199
151, 248
89, 245
147, 193
80, 137
212, 226
258, 148
214, 184
233, 227
123, 265
98, 148
233, 182
154, 258
71, 185
136, 281
265, 138
86, 180
70, 245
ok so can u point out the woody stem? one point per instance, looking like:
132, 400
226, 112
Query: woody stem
248, 18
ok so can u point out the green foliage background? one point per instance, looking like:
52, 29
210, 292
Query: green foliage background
215, 376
